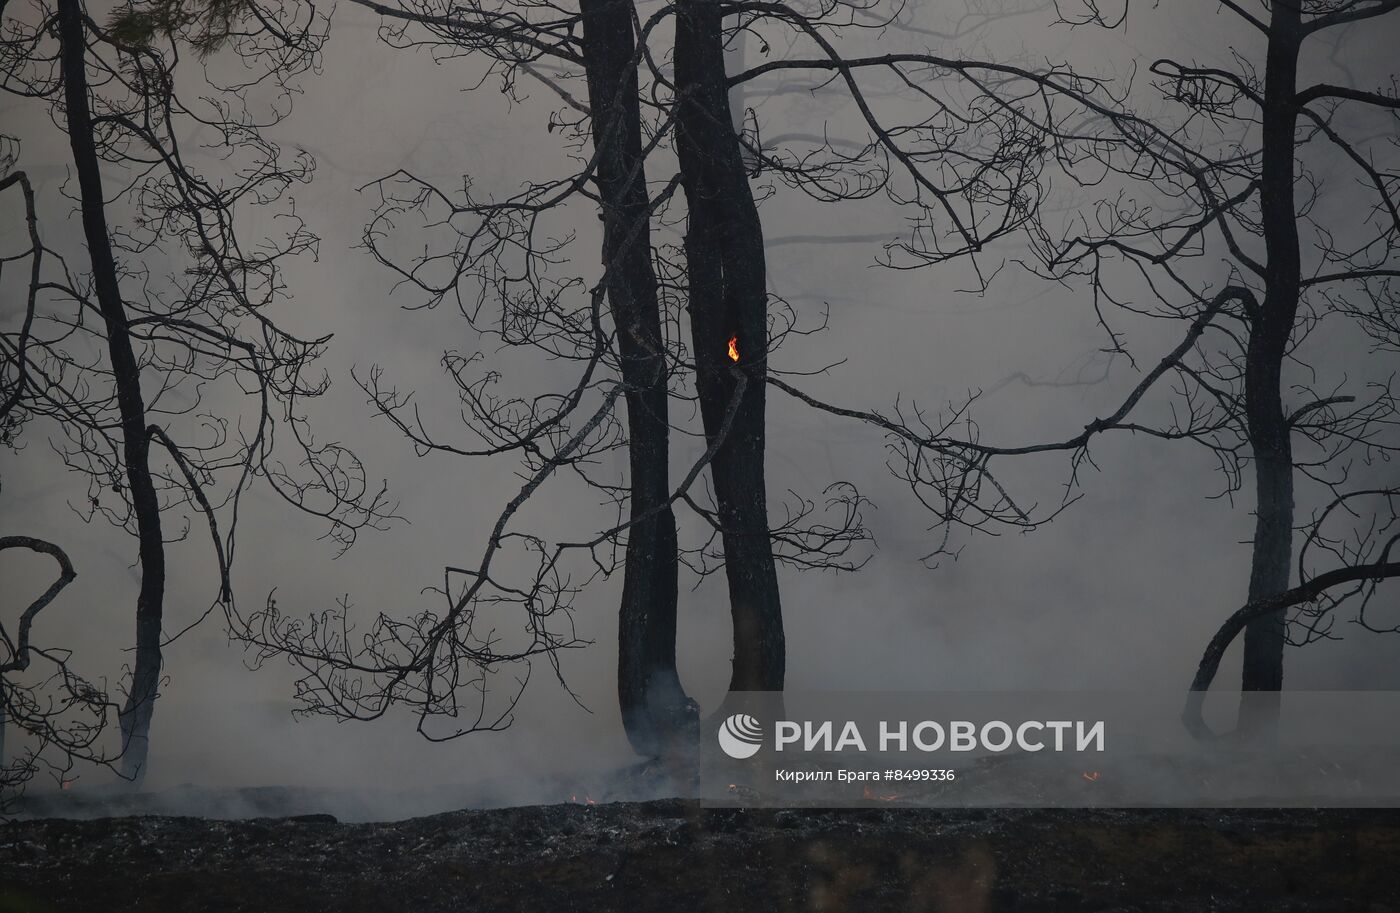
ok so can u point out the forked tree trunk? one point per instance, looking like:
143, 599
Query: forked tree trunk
728, 299
655, 709
1270, 330
126, 376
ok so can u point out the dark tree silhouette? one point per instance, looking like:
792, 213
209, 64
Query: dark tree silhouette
1237, 168
655, 127
1152, 199
728, 309
132, 416
650, 694
126, 383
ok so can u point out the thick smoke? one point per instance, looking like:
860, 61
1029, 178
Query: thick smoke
1123, 590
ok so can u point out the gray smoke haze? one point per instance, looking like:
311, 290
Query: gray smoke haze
1121, 591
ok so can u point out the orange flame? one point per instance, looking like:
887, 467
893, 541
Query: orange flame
734, 349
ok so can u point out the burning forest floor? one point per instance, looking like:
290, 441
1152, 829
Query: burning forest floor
672, 855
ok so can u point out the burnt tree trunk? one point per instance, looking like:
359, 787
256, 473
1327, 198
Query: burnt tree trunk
126, 376
654, 706
1270, 330
728, 300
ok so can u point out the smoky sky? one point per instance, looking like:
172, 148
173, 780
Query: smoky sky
1121, 591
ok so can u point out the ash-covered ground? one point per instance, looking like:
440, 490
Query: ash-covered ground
674, 855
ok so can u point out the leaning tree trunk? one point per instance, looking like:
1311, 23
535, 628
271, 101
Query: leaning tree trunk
728, 301
126, 375
1270, 330
654, 706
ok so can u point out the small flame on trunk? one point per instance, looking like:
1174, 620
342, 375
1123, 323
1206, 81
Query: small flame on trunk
734, 349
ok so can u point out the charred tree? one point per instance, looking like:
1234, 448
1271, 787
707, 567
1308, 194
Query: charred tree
968, 166
728, 308
653, 702
126, 395
1270, 330
126, 378
1249, 157
1236, 173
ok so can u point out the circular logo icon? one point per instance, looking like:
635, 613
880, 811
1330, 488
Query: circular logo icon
741, 736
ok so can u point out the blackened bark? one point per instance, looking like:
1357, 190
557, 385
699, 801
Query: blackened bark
654, 706
1271, 328
126, 375
728, 299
